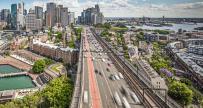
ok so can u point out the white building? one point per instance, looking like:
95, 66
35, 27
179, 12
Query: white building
20, 16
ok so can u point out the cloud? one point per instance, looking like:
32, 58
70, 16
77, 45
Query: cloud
125, 8
196, 5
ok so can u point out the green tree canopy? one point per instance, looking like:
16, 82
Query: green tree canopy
57, 94
48, 61
180, 92
39, 66
59, 35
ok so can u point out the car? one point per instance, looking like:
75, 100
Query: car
107, 69
96, 71
100, 74
116, 77
120, 75
112, 77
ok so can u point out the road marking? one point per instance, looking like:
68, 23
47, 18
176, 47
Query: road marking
96, 100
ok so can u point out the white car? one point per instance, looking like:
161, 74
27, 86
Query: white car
117, 77
120, 75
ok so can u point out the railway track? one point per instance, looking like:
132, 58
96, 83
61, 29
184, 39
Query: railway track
149, 99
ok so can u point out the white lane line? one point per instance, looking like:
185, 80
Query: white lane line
98, 64
107, 83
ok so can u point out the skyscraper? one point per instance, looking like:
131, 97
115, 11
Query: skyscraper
20, 15
30, 21
64, 16
71, 18
5, 15
59, 11
51, 14
39, 12
91, 16
14, 16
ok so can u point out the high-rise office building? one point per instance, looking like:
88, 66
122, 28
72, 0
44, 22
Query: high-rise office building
14, 16
71, 18
91, 16
64, 17
51, 14
39, 12
5, 15
59, 11
20, 16
25, 12
30, 21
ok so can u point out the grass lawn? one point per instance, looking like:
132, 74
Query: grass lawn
56, 68
119, 29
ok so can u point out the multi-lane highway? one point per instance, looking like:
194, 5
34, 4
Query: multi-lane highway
103, 86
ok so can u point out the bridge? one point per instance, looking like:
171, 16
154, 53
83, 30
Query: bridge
98, 83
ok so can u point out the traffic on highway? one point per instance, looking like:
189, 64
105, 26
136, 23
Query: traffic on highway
111, 89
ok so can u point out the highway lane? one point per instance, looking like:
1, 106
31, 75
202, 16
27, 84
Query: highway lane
85, 79
113, 85
94, 95
106, 93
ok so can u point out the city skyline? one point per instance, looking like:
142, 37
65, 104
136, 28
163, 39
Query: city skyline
125, 8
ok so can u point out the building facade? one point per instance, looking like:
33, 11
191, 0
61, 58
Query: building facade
51, 15
71, 18
91, 16
5, 15
20, 16
67, 55
64, 17
14, 16
39, 12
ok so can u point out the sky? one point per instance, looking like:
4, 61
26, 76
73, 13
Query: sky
125, 8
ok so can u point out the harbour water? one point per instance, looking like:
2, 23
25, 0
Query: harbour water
175, 27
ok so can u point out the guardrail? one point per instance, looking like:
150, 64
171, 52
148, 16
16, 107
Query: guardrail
76, 99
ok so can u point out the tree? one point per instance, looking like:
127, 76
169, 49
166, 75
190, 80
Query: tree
165, 32
58, 36
186, 81
59, 92
7, 53
39, 66
107, 26
180, 92
48, 61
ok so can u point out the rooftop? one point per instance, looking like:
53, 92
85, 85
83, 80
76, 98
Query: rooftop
187, 58
52, 46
